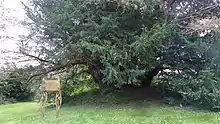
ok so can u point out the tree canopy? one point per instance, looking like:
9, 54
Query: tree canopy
116, 41
120, 42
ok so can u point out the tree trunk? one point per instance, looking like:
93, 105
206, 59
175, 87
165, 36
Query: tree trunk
96, 74
94, 70
147, 79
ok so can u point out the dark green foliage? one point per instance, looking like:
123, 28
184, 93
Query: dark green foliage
5, 100
194, 71
116, 42
14, 86
202, 91
15, 89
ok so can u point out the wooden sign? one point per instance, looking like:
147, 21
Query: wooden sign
50, 85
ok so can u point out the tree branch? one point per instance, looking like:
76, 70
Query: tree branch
195, 14
36, 58
63, 67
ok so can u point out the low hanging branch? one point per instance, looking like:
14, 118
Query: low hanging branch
59, 68
36, 57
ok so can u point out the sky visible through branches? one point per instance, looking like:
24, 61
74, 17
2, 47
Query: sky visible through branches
12, 31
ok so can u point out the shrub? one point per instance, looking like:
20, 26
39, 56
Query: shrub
16, 90
14, 87
5, 100
202, 91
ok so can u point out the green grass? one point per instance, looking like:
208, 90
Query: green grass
27, 113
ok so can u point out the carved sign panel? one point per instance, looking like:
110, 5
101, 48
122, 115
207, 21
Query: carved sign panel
52, 84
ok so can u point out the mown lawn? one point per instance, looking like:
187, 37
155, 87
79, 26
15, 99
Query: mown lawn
27, 113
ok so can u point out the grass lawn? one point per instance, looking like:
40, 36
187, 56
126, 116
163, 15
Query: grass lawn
27, 113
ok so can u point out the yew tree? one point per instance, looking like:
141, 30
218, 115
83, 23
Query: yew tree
116, 40
120, 41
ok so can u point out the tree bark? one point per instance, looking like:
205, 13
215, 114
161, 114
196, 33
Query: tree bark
148, 77
96, 74
94, 70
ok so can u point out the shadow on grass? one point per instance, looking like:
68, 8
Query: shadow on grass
129, 97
